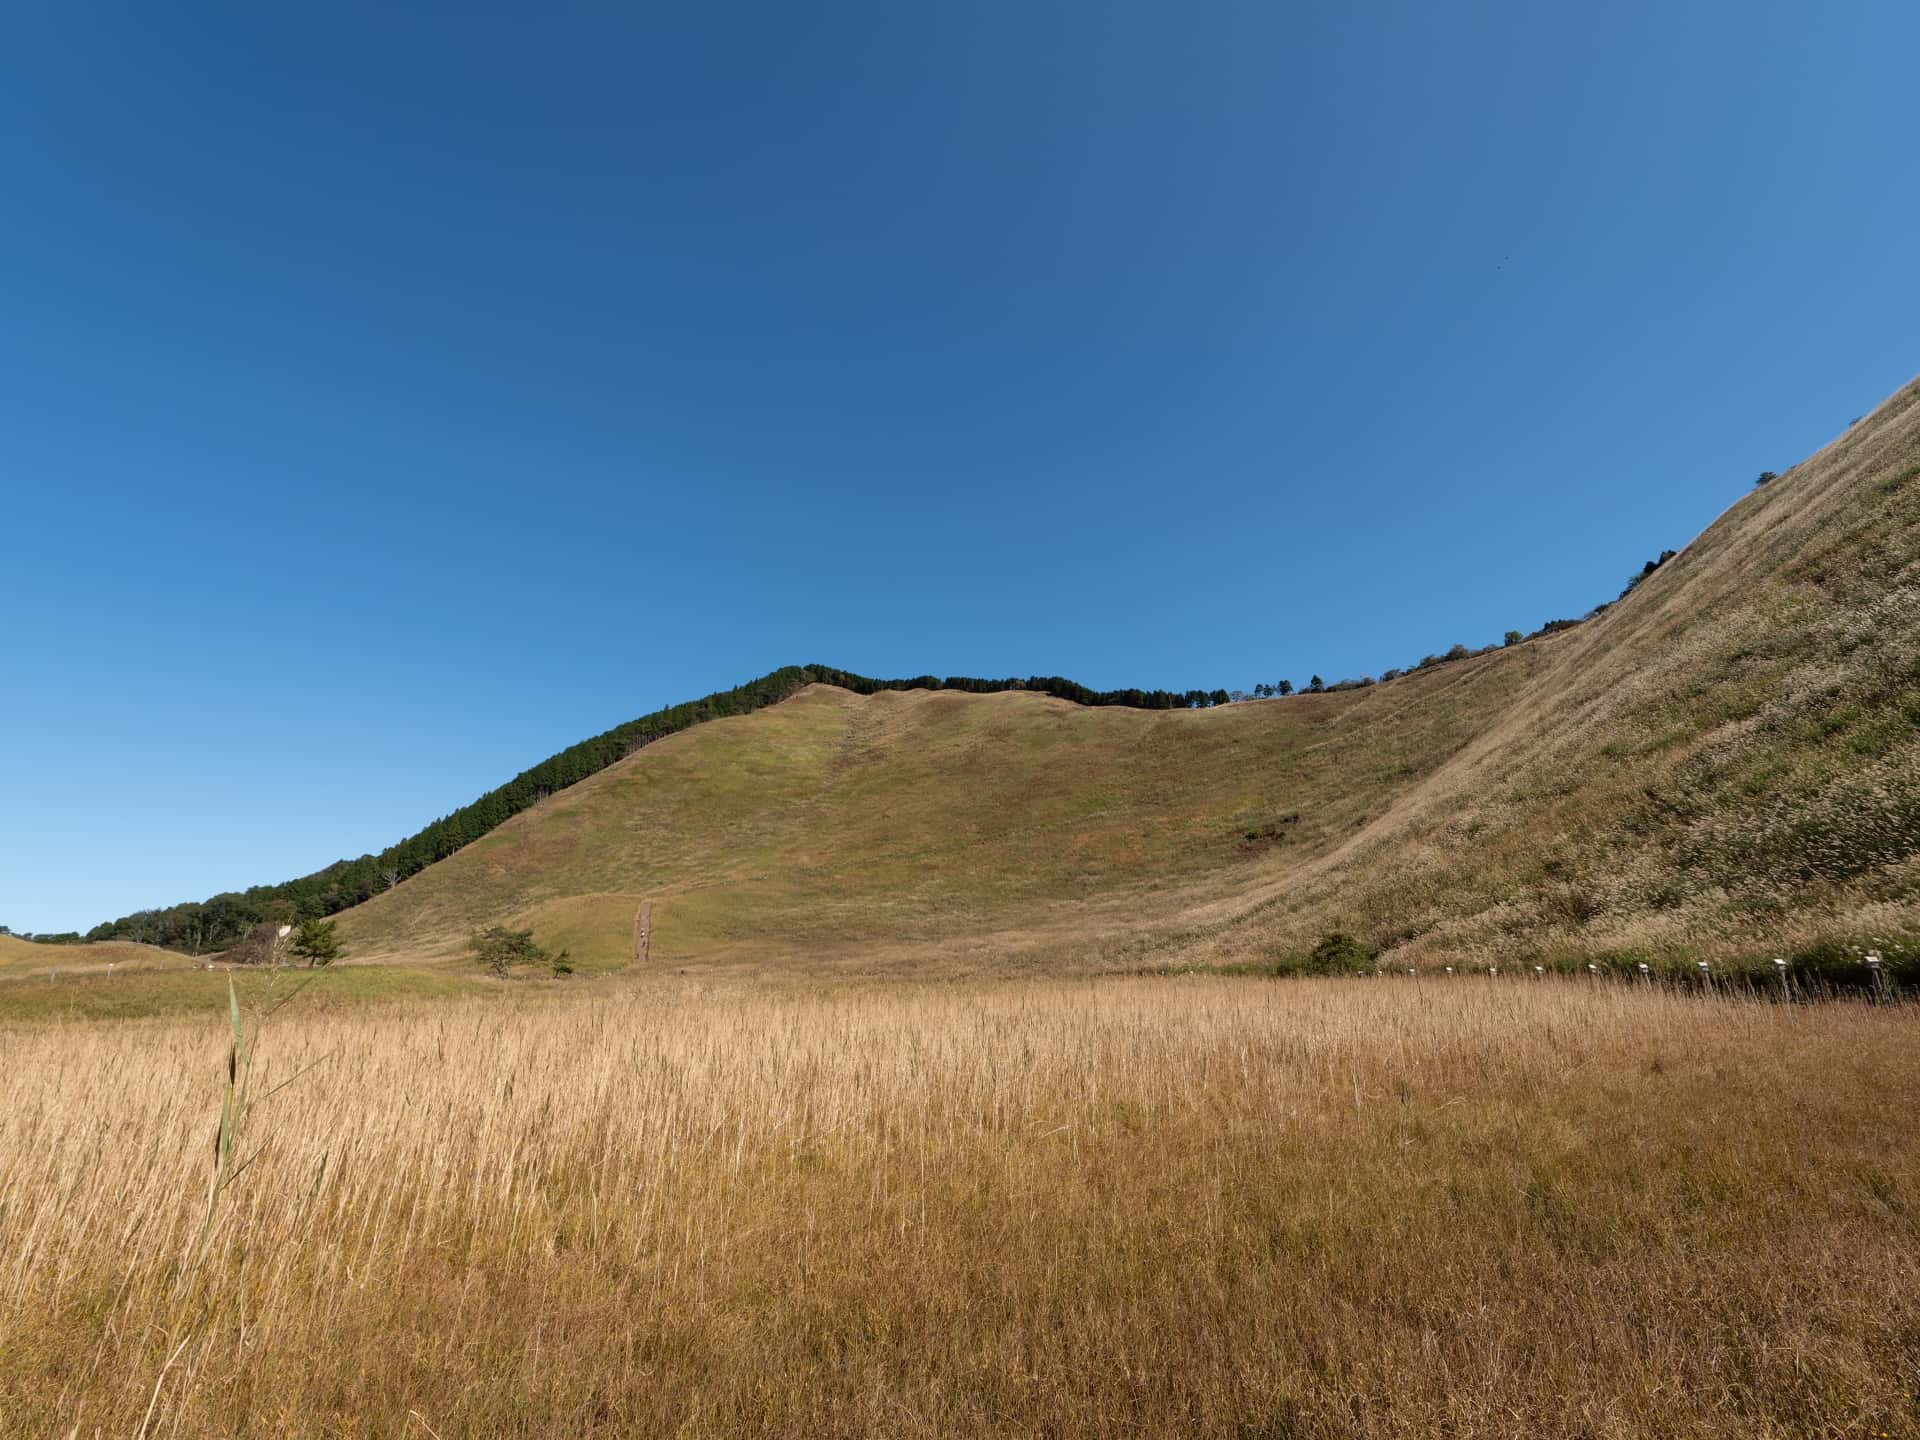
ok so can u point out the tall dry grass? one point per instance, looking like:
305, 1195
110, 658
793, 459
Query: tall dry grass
1199, 1207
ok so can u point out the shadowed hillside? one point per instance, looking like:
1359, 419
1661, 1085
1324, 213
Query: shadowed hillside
1725, 761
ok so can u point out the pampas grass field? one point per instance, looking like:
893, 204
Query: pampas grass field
1396, 1207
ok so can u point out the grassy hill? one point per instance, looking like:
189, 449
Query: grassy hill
18, 956
1725, 763
117, 980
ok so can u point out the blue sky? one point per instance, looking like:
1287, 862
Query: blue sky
387, 401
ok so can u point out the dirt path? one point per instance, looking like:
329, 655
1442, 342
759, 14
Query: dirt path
642, 932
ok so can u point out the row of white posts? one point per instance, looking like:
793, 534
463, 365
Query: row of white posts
1873, 961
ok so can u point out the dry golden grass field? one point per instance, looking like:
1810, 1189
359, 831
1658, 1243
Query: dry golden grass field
912, 1121
1205, 1206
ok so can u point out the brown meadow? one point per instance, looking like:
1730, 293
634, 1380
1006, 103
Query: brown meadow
1199, 1206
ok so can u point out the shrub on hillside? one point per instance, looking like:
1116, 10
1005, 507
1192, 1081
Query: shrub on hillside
1841, 964
1338, 953
1633, 581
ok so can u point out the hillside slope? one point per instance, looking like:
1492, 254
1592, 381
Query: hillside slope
1726, 760
1728, 757
19, 956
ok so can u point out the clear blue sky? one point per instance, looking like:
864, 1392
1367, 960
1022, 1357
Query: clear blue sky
387, 401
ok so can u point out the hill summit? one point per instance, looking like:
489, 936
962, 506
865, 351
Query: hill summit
1723, 763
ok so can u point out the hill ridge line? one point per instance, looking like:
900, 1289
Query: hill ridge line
214, 923
201, 926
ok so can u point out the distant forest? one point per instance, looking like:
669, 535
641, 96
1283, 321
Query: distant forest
200, 926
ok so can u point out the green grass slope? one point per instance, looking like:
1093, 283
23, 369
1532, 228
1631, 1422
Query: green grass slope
901, 825
1726, 761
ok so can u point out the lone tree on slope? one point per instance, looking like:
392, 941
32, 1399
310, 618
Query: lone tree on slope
314, 941
501, 948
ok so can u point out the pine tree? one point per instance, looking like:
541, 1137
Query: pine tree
315, 942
